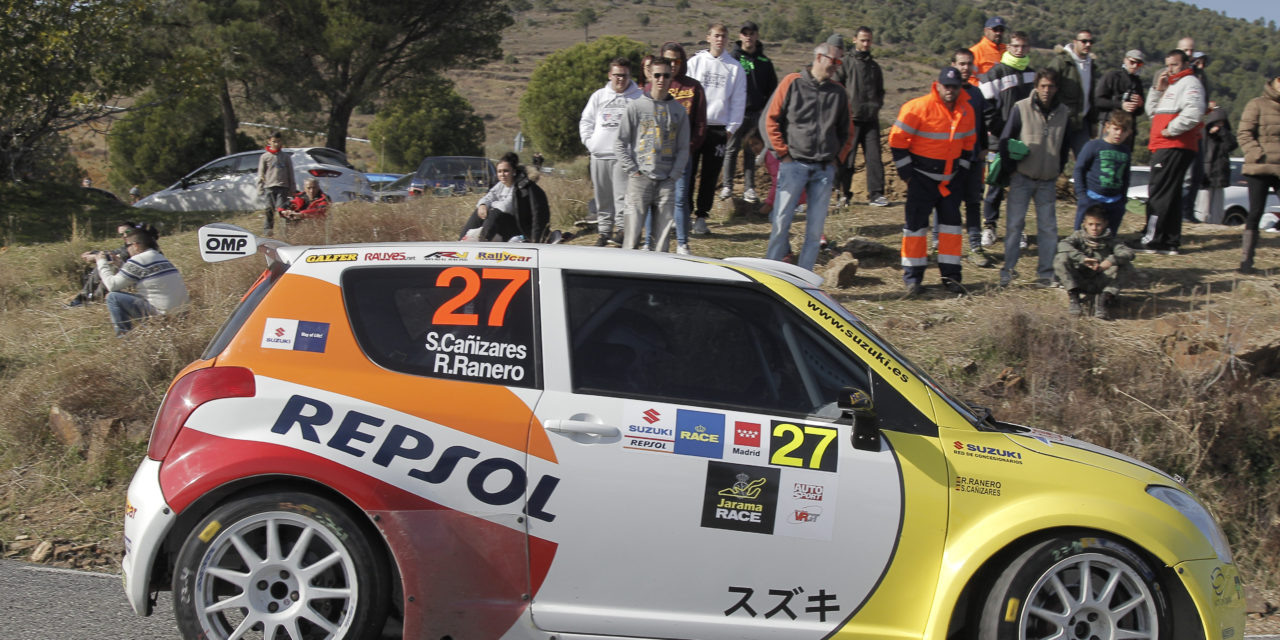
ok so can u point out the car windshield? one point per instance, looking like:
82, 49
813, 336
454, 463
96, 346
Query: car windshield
329, 156
457, 172
975, 415
399, 184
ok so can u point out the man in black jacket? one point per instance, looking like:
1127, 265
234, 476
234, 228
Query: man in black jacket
1003, 85
1121, 89
761, 81
864, 83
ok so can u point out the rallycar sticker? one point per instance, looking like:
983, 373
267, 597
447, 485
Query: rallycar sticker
295, 335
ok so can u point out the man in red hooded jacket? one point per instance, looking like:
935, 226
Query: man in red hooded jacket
1175, 104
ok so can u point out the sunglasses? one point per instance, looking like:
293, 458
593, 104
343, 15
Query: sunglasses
1136, 63
619, 75
997, 29
1085, 40
833, 60
659, 76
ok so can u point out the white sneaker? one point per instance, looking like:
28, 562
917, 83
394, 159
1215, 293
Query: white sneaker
988, 237
1022, 243
879, 201
682, 249
700, 227
750, 196
726, 193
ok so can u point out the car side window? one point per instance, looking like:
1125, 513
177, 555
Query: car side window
459, 322
707, 344
217, 170
247, 163
330, 156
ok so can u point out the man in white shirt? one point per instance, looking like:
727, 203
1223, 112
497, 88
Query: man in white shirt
726, 89
598, 128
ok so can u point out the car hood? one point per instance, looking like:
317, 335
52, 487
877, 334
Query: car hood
1059, 446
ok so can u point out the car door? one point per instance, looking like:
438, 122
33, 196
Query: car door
709, 487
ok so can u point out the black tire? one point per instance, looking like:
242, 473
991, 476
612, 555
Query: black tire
1235, 216
218, 587
1024, 602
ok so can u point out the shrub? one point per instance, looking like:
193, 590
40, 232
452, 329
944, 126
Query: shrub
428, 118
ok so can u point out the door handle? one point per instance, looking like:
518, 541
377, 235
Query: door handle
579, 426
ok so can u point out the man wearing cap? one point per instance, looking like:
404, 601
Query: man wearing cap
988, 51
1036, 139
761, 81
1175, 104
864, 82
933, 142
808, 125
726, 90
1121, 89
1077, 79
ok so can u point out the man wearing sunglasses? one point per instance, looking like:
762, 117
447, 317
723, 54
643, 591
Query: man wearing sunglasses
1077, 80
653, 148
1121, 89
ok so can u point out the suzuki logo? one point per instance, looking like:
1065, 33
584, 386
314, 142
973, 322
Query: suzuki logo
651, 416
279, 332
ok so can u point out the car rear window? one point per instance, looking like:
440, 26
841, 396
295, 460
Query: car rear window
330, 156
476, 324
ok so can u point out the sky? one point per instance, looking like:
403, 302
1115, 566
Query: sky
1247, 9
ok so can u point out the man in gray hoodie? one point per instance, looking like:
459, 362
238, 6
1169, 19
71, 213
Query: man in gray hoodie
652, 148
598, 128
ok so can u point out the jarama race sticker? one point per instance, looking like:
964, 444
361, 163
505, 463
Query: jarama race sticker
740, 497
295, 335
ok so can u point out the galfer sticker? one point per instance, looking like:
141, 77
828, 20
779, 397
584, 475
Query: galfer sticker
295, 335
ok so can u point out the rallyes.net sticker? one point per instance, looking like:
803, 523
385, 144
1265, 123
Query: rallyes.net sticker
295, 335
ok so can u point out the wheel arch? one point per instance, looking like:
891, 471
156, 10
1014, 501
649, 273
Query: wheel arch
186, 521
966, 607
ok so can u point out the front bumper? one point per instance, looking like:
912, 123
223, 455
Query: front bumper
1218, 594
146, 521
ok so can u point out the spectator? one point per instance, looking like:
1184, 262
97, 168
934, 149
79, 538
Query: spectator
690, 94
538, 160
652, 147
515, 208
864, 81
275, 180
808, 123
1196, 177
309, 204
1041, 125
1259, 138
933, 142
598, 128
1102, 172
761, 80
1218, 144
92, 289
1092, 262
1175, 104
1077, 80
158, 285
1003, 85
971, 186
135, 194
726, 92
1121, 90
990, 49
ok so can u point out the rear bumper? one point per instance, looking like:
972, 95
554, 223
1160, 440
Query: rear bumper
147, 519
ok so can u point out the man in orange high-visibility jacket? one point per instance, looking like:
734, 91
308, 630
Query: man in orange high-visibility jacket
933, 143
988, 50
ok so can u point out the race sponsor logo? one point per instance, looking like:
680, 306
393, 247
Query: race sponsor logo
334, 257
699, 433
502, 256
806, 491
651, 415
804, 515
427, 458
980, 486
385, 256
295, 335
804, 446
874, 353
986, 453
740, 497
446, 255
1047, 437
746, 434
130, 511
226, 244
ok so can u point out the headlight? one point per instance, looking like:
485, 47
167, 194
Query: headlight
1191, 508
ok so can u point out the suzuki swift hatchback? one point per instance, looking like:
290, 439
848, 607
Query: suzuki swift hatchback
516, 441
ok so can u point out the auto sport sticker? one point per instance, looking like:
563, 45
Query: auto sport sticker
295, 335
783, 502
994, 454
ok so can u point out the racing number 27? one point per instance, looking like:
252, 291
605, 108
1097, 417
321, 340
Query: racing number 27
448, 313
805, 446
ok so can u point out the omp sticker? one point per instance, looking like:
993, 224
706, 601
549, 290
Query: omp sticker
740, 498
699, 433
295, 335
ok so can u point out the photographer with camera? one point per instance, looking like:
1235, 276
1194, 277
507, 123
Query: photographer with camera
1121, 89
158, 285
92, 289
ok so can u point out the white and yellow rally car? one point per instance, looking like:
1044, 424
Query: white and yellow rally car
521, 441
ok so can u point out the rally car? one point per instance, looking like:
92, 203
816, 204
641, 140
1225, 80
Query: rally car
521, 441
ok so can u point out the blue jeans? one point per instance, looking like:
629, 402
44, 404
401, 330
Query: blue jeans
126, 309
682, 204
1021, 191
795, 177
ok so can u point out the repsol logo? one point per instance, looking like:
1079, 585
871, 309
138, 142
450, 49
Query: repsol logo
334, 257
494, 480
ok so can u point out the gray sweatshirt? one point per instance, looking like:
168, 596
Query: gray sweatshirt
653, 138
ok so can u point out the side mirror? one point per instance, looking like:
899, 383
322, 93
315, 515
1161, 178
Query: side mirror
857, 405
184, 182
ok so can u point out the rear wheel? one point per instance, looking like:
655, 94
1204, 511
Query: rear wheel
280, 566
1235, 216
1079, 588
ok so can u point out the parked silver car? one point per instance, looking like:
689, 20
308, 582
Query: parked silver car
230, 182
1235, 198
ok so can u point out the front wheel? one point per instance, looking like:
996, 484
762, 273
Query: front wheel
280, 565
1091, 588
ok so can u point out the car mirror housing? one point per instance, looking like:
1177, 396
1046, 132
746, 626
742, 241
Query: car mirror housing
858, 407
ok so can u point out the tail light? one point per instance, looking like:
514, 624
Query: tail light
324, 173
415, 191
193, 390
